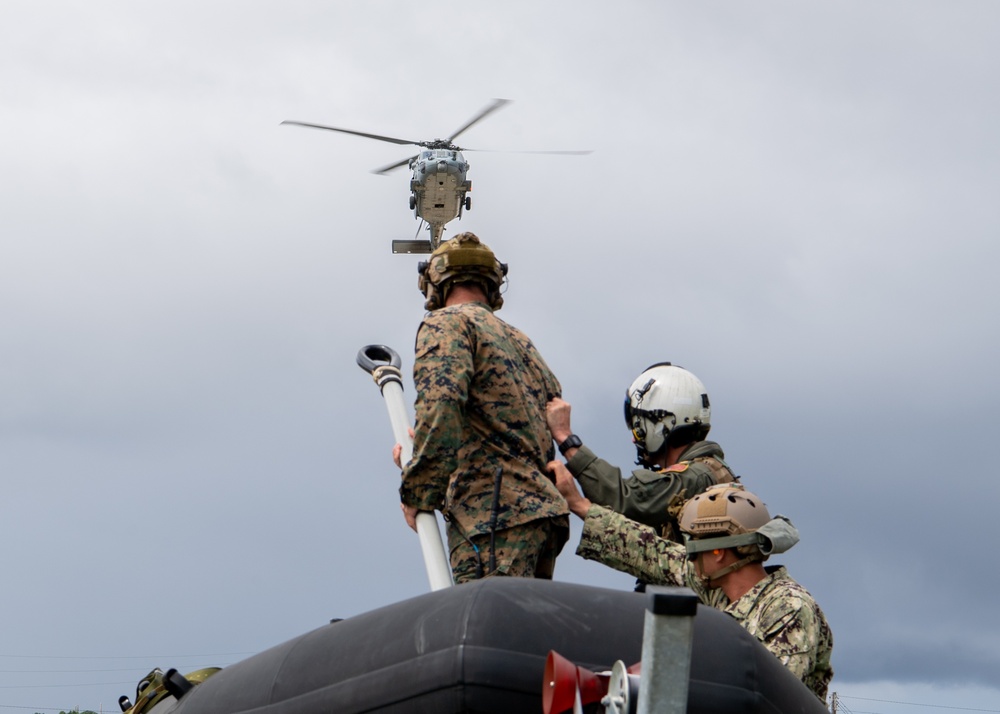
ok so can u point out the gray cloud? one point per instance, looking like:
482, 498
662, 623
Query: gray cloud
794, 202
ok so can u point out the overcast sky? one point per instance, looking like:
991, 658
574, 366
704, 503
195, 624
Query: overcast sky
798, 201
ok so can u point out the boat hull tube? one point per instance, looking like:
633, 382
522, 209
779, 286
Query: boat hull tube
481, 647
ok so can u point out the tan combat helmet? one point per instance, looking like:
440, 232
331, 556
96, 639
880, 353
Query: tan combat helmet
729, 516
462, 259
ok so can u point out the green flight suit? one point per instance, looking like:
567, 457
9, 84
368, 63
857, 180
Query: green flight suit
651, 497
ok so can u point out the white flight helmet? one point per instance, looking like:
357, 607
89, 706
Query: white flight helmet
666, 404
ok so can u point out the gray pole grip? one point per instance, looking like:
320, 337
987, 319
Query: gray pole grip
383, 364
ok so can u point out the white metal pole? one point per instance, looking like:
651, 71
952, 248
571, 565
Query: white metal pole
383, 364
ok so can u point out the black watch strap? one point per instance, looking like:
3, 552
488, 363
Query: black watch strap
572, 442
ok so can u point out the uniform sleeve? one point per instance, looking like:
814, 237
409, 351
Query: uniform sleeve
791, 633
614, 540
645, 495
442, 372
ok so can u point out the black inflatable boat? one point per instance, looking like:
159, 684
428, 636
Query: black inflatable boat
482, 647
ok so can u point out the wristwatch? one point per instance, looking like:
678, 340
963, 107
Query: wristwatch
571, 442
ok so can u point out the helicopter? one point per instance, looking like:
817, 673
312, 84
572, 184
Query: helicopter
439, 185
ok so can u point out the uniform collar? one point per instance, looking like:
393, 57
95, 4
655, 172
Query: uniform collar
742, 608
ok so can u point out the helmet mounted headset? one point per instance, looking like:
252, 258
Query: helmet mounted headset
462, 259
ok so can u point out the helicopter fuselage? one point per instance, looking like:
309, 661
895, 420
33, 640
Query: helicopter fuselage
439, 186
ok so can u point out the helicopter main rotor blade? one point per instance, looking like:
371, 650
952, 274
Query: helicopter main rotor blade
506, 151
398, 164
379, 137
497, 103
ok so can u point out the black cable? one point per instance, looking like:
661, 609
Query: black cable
494, 512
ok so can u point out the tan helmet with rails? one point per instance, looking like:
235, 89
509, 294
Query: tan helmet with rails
462, 259
729, 516
724, 510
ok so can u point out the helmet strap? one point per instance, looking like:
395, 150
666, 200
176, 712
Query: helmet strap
709, 580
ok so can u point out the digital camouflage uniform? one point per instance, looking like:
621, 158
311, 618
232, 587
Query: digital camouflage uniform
653, 498
777, 611
481, 394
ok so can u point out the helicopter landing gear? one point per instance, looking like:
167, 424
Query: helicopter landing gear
413, 202
468, 203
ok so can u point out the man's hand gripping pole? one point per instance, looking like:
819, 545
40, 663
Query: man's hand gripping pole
383, 364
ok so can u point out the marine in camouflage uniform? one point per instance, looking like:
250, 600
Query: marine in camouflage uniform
668, 412
481, 394
768, 603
